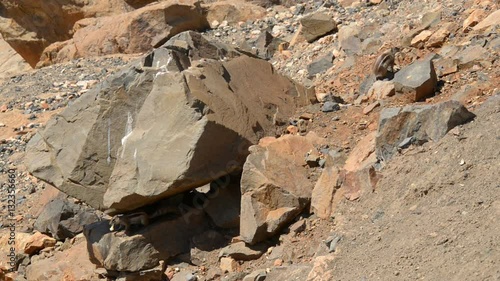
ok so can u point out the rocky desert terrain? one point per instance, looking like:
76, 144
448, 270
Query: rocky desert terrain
249, 140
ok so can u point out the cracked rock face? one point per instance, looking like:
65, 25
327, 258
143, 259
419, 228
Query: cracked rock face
177, 120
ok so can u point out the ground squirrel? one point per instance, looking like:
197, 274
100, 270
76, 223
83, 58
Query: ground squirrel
384, 64
125, 221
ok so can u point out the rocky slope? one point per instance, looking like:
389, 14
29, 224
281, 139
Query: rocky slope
370, 180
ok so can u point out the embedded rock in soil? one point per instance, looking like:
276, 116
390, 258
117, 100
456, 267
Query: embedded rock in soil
422, 123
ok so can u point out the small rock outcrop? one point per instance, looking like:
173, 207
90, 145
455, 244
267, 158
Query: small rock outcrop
64, 219
418, 79
417, 124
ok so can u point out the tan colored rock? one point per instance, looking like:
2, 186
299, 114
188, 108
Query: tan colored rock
71, 264
322, 269
473, 19
446, 66
37, 242
228, 264
316, 25
369, 108
234, 11
359, 175
347, 3
419, 40
361, 153
134, 32
241, 251
381, 90
491, 20
292, 130
325, 195
54, 22
438, 38
11, 63
274, 186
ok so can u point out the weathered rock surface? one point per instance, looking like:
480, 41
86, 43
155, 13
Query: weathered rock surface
133, 32
274, 186
241, 251
64, 219
418, 79
287, 273
322, 269
11, 63
37, 242
420, 123
263, 46
320, 65
491, 20
73, 262
184, 117
234, 11
29, 26
143, 248
324, 195
315, 25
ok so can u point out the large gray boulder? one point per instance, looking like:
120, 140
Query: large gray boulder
180, 118
417, 124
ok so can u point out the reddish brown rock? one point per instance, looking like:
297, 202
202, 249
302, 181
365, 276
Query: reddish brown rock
54, 22
70, 264
491, 20
234, 11
438, 38
381, 90
419, 40
325, 194
228, 264
37, 242
274, 186
473, 19
359, 175
369, 108
133, 32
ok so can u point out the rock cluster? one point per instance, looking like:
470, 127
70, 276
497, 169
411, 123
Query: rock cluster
263, 133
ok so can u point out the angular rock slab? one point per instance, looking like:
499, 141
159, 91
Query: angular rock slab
418, 79
179, 119
143, 248
274, 186
316, 25
324, 196
420, 123
63, 218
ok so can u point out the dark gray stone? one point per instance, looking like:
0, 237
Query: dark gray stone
422, 123
330, 106
63, 219
418, 78
320, 65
